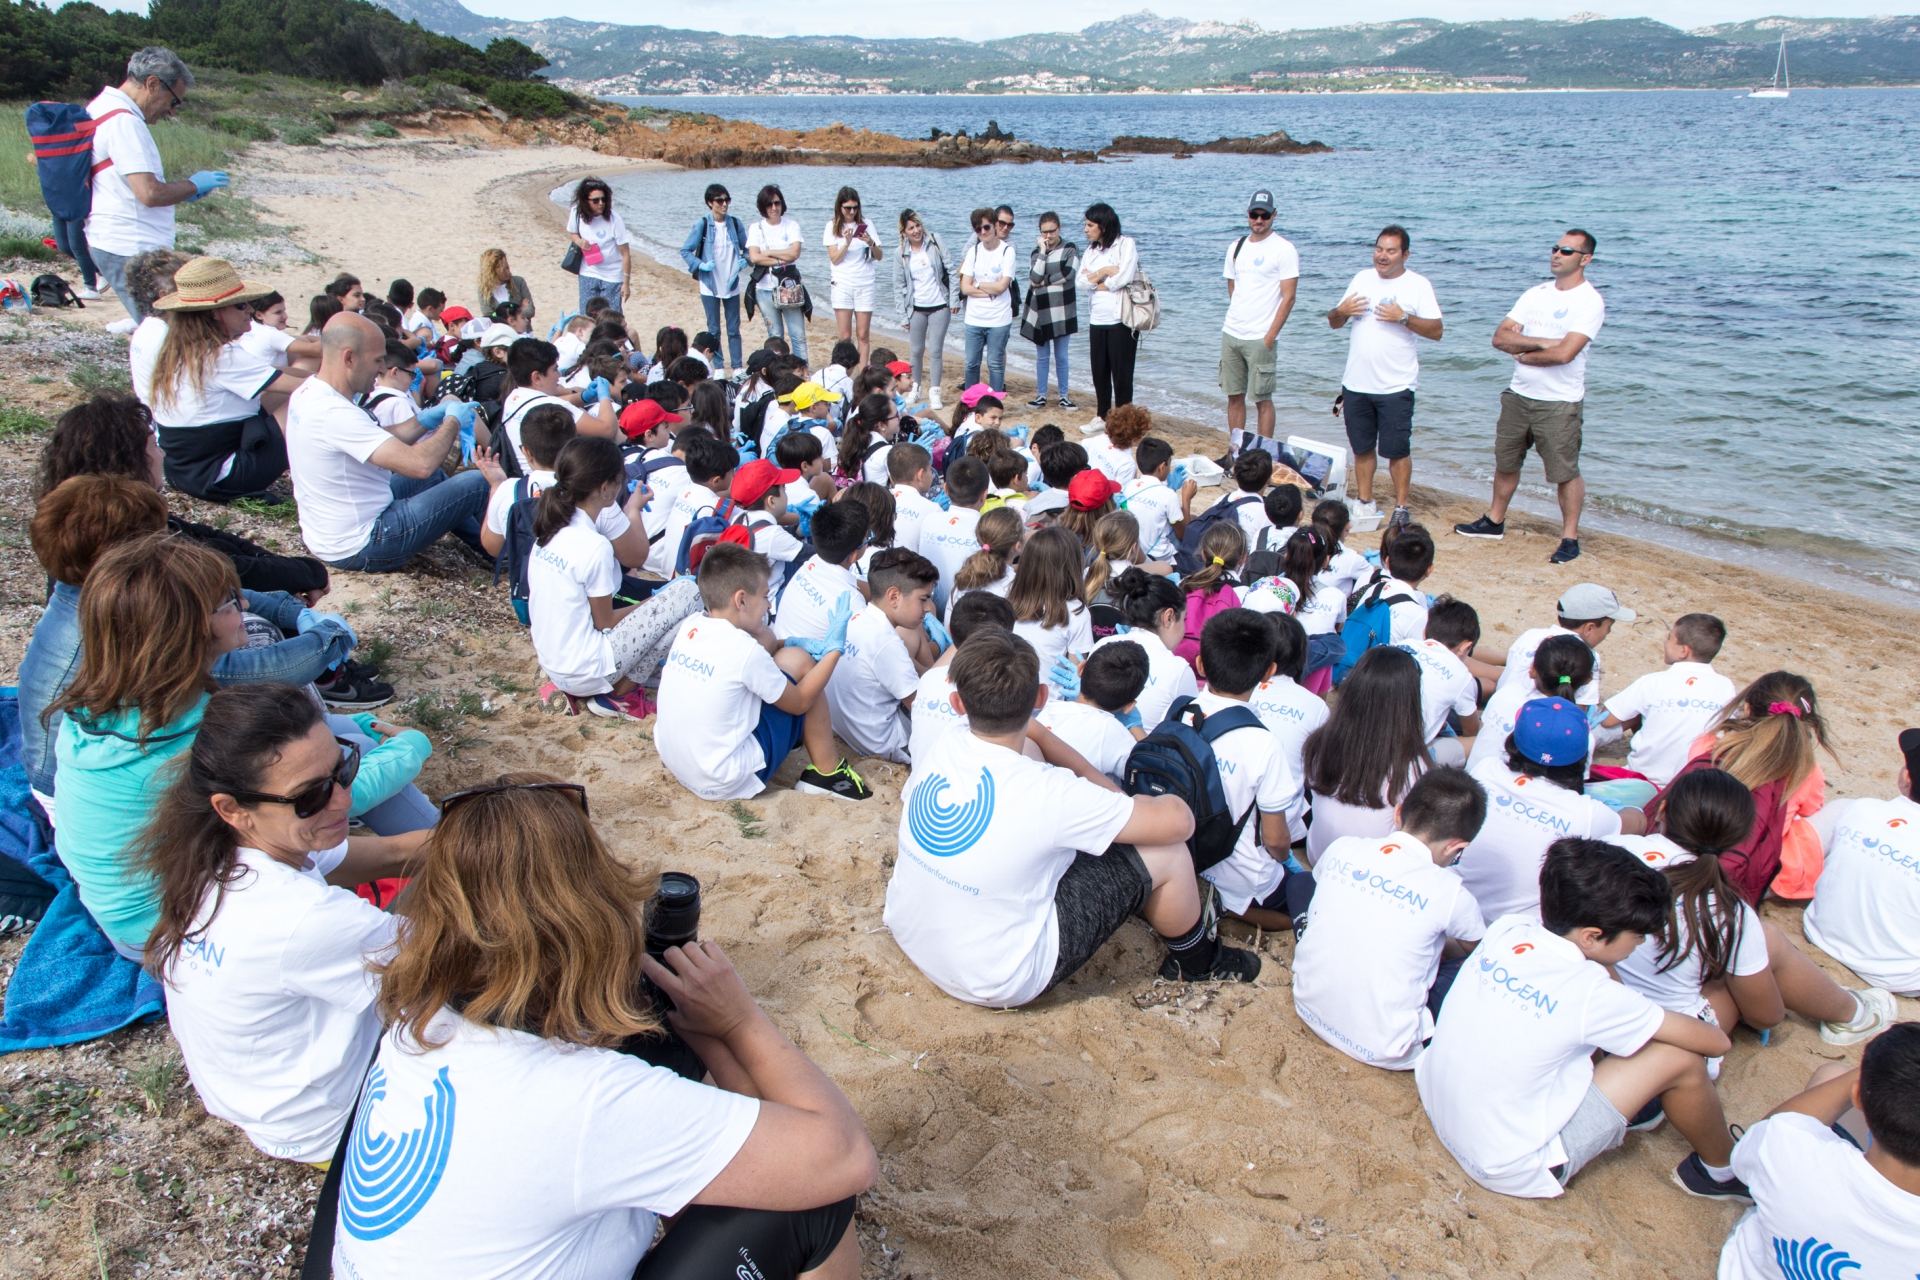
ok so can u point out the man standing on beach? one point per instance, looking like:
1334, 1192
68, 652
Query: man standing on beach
1391, 309
1262, 272
1547, 334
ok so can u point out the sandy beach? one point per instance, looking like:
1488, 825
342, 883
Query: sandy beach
1119, 1127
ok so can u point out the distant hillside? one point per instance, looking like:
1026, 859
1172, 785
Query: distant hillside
1143, 50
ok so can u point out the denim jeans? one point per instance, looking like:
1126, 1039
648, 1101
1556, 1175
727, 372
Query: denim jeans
421, 511
591, 288
113, 269
1058, 349
70, 238
994, 342
406, 810
788, 323
736, 358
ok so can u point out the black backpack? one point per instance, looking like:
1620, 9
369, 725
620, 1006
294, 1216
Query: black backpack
1177, 759
1187, 558
753, 418
51, 291
517, 549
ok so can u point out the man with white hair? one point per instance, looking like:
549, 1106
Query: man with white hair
371, 497
132, 200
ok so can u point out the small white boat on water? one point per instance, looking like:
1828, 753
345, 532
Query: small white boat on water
1782, 82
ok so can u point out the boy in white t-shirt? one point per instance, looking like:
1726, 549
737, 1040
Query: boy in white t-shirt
890, 644
1161, 513
734, 701
1102, 721
710, 467
1391, 926
815, 590
1287, 709
546, 431
1509, 1080
800, 451
947, 538
1587, 610
1667, 710
1821, 1206
1866, 905
812, 406
1012, 872
910, 467
533, 372
391, 401
759, 490
1405, 562
1447, 688
934, 714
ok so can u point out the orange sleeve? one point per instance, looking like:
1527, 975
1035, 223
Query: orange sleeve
1801, 857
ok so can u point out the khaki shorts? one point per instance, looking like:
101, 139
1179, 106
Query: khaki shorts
1246, 368
1551, 426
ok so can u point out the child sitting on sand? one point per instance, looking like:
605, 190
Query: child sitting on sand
911, 468
1102, 722
819, 588
1667, 710
933, 711
1589, 611
1447, 688
1162, 513
1560, 665
890, 645
1866, 907
1154, 612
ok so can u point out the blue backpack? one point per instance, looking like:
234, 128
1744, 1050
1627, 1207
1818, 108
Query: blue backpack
1177, 759
716, 524
518, 547
1369, 625
62, 136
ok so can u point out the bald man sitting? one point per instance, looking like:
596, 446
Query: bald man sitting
371, 498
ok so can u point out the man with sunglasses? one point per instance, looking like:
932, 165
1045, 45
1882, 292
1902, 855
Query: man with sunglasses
1262, 272
133, 202
1547, 333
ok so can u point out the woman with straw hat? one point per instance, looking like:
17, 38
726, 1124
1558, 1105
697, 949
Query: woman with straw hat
221, 409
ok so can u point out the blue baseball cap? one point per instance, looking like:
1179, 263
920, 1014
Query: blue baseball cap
1551, 731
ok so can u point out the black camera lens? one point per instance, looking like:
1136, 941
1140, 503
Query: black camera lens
673, 913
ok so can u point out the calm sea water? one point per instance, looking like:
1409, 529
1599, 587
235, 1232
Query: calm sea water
1755, 394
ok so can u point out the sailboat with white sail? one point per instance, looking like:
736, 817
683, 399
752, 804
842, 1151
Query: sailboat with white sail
1782, 82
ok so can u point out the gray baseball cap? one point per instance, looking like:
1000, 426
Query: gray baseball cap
1261, 202
1589, 602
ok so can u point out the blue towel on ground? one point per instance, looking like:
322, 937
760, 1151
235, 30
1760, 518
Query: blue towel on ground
23, 832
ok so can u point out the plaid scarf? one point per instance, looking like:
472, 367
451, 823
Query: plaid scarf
1051, 310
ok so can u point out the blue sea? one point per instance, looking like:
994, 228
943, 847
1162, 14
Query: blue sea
1754, 396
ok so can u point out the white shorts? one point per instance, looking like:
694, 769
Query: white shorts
853, 297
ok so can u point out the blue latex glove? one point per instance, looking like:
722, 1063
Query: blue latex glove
1065, 676
930, 435
938, 632
432, 416
464, 414
309, 619
596, 391
206, 182
419, 380
1177, 476
941, 500
836, 637
1130, 718
816, 649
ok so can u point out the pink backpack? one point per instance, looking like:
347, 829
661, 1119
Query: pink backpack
1202, 605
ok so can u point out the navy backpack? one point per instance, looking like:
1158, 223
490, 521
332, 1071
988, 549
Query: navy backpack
1177, 759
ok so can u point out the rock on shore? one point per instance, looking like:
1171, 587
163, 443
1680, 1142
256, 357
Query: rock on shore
1277, 143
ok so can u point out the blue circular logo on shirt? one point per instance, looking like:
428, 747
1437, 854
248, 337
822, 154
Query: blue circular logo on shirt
946, 829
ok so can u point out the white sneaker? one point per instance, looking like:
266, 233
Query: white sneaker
1094, 428
1878, 1011
1364, 510
933, 399
123, 327
87, 295
913, 393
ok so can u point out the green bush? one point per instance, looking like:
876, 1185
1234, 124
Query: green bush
244, 127
325, 123
23, 247
528, 99
380, 129
599, 126
301, 136
16, 422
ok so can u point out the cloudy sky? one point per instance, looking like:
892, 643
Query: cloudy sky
994, 20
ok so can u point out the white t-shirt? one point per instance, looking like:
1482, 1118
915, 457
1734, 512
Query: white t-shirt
1050, 642
1497, 719
664, 487
231, 391
874, 675
985, 836
1334, 818
1445, 684
998, 587
691, 502
1678, 988
771, 539
855, 269
874, 470
528, 1157
1524, 815
1346, 568
391, 407
1157, 509
811, 595
1866, 905
143, 352
118, 222
273, 1006
1383, 356
1292, 714
772, 237
514, 410
1676, 705
924, 272
1257, 272
727, 257
987, 266
1095, 734
1382, 912
1253, 518
1511, 1057
1520, 657
1551, 313
341, 492
1119, 464
263, 340
609, 233
949, 540
1103, 300
1409, 617
1253, 773
1169, 678
911, 511
933, 714
612, 522
577, 563
715, 682
1815, 1194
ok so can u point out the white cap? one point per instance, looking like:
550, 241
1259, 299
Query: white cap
499, 335
1589, 602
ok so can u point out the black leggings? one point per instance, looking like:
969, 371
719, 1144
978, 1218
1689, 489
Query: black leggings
711, 1242
1110, 349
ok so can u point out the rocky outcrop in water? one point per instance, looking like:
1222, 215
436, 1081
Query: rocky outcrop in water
1277, 143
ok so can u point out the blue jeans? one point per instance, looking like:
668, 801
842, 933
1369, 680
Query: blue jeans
591, 288
406, 810
421, 511
70, 238
1058, 349
994, 342
789, 324
736, 358
113, 269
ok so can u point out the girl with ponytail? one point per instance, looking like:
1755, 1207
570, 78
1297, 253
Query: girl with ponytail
990, 569
865, 439
1212, 588
593, 653
1561, 664
1301, 587
1155, 614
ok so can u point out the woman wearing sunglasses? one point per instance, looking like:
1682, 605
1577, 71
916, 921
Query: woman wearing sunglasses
606, 267
547, 1143
260, 939
852, 248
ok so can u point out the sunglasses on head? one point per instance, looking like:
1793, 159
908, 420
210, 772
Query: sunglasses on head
578, 792
314, 797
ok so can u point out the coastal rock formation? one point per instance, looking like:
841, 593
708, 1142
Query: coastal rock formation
1277, 143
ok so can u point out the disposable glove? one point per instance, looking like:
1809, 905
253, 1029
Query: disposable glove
596, 391
938, 632
1064, 676
1130, 718
836, 637
206, 182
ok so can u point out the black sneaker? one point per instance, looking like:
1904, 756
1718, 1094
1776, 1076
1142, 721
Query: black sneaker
1230, 964
360, 670
1484, 527
349, 693
1225, 461
1402, 516
1038, 402
842, 784
1569, 549
1066, 402
1648, 1118
1691, 1176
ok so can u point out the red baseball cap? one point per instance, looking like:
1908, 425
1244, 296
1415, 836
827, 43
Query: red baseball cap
1086, 491
897, 367
751, 482
643, 416
455, 315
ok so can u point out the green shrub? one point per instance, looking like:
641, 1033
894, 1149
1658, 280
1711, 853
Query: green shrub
25, 247
301, 136
325, 123
528, 99
244, 127
380, 129
16, 423
599, 126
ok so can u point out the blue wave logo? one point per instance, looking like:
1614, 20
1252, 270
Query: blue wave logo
388, 1181
1809, 1259
1360, 874
1502, 801
943, 829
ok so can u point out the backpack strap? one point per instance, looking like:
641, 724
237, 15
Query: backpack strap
117, 111
317, 1262
1225, 721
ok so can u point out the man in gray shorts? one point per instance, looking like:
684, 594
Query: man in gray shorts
1262, 272
1547, 333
